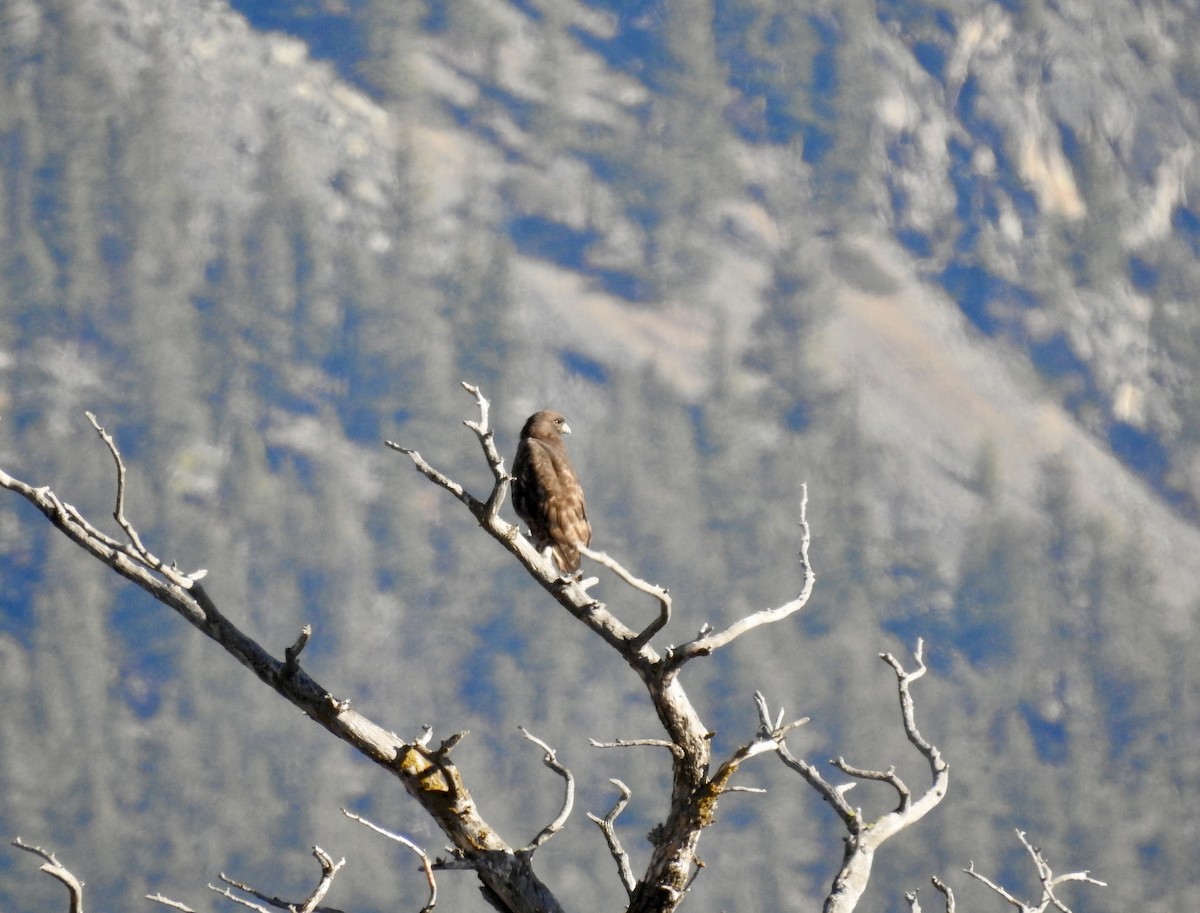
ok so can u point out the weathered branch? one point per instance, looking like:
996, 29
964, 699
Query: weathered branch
945, 891
864, 837
57, 871
607, 825
426, 866
1047, 877
639, 743
291, 656
508, 881
708, 642
168, 902
693, 796
427, 775
883, 776
311, 904
662, 594
228, 894
550, 759
769, 737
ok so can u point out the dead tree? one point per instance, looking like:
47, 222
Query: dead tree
428, 773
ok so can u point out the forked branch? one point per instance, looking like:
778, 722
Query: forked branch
427, 774
865, 837
694, 794
1049, 881
311, 904
608, 825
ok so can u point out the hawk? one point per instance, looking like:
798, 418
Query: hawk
546, 492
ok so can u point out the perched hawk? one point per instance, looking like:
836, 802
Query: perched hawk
546, 492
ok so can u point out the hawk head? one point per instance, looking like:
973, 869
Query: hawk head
546, 426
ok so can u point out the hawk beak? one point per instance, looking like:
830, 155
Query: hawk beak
566, 429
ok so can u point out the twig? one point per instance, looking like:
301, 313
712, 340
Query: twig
777, 730
1045, 875
607, 825
291, 655
833, 795
228, 894
662, 594
970, 870
709, 642
168, 902
769, 737
487, 440
883, 776
438, 478
401, 839
119, 510
136, 549
639, 743
946, 892
329, 869
938, 768
57, 871
550, 759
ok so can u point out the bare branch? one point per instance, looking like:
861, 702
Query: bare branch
550, 759
946, 892
57, 871
709, 642
832, 794
487, 441
866, 837
168, 902
329, 870
427, 775
883, 776
401, 839
607, 825
136, 549
438, 478
119, 510
291, 655
970, 870
662, 594
1048, 878
1045, 875
769, 737
228, 894
639, 743
777, 729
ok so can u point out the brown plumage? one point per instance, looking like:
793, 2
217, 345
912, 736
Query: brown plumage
546, 492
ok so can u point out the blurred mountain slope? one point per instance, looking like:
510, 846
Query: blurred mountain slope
935, 259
